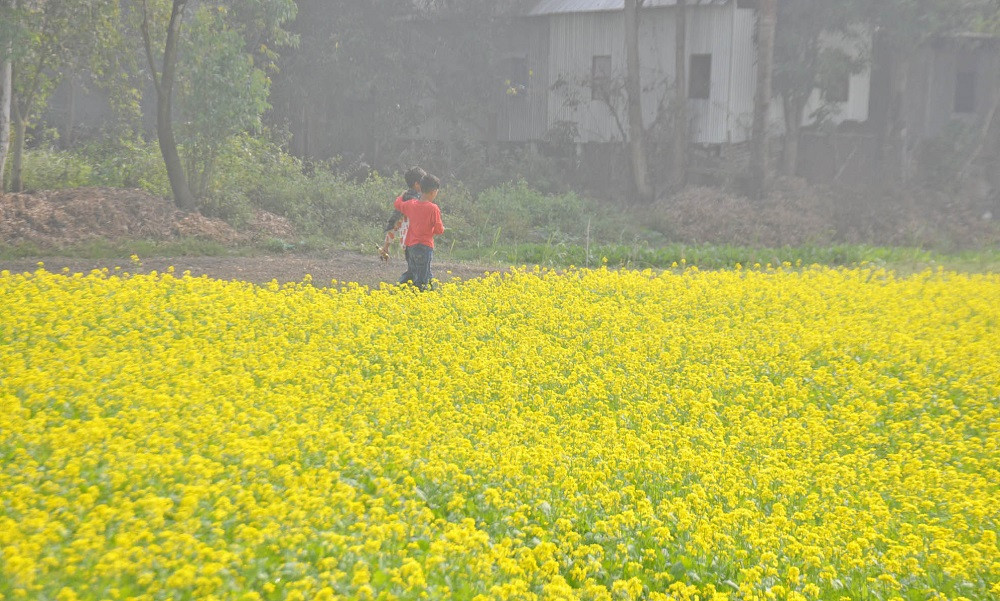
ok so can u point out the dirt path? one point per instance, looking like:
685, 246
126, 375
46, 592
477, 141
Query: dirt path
340, 266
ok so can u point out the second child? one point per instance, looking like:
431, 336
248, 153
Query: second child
424, 224
396, 226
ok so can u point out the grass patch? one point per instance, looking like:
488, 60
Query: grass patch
639, 255
643, 256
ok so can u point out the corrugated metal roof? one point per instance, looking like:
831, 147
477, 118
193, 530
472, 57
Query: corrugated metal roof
555, 7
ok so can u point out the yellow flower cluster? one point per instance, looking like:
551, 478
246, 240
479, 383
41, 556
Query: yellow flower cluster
763, 434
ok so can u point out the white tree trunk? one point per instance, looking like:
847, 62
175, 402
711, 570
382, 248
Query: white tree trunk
5, 97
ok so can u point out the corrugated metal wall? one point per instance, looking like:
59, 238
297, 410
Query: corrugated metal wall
723, 31
710, 31
574, 40
742, 77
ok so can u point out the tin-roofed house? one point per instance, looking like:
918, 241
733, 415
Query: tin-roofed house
565, 76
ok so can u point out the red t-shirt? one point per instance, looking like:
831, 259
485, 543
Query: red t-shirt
425, 221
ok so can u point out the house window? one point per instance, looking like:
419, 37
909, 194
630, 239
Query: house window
837, 88
600, 77
965, 92
700, 78
518, 76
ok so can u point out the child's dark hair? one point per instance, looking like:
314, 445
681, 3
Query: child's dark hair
429, 182
413, 176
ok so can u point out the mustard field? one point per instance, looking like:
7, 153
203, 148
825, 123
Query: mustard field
767, 434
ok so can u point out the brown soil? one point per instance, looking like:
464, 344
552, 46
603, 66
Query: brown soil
340, 266
54, 218
796, 213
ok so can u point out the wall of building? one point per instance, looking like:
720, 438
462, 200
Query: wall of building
722, 31
933, 86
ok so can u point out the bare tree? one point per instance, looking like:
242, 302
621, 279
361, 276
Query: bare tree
760, 160
633, 88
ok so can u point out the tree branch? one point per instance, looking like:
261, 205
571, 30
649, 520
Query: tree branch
170, 52
148, 44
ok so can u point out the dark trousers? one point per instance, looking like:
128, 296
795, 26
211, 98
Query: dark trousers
418, 266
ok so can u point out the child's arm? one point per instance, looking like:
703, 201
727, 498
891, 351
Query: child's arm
438, 226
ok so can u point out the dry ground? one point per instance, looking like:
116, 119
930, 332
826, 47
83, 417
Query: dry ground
340, 266
60, 218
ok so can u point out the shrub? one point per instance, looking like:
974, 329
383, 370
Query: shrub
50, 169
516, 212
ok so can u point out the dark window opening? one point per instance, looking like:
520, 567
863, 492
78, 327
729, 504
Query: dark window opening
965, 92
600, 77
838, 88
700, 79
518, 76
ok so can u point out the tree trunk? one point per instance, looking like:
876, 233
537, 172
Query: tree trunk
679, 170
6, 83
164, 92
68, 136
760, 160
633, 89
901, 134
893, 154
17, 151
794, 107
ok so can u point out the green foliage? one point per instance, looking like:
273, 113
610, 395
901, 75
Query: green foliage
327, 204
123, 164
219, 81
261, 24
48, 169
247, 168
221, 95
114, 68
253, 172
57, 37
126, 164
14, 33
515, 212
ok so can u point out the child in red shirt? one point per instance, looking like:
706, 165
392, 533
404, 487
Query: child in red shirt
425, 223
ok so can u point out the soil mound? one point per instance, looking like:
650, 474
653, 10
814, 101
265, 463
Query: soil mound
795, 213
62, 217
